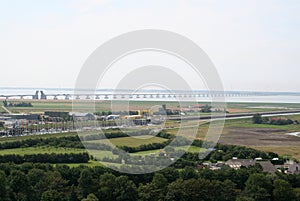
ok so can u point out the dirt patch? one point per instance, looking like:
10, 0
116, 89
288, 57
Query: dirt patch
259, 137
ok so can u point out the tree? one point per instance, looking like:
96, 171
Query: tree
188, 173
90, 197
18, 183
5, 103
125, 189
55, 181
257, 119
3, 186
37, 183
228, 190
206, 109
201, 190
73, 195
258, 187
170, 173
283, 191
244, 198
52, 195
107, 186
155, 190
85, 182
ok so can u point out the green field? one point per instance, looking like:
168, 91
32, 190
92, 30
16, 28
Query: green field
105, 105
191, 149
135, 141
247, 123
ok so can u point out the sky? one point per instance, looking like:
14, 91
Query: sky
254, 44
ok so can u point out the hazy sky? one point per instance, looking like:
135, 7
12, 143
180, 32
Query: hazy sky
254, 44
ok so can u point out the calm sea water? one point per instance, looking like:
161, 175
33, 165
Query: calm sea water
280, 98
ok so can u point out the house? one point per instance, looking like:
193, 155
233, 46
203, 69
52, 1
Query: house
212, 166
235, 163
290, 166
82, 116
238, 163
267, 166
294, 169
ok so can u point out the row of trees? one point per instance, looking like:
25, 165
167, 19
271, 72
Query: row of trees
18, 104
35, 182
69, 141
46, 158
258, 119
226, 152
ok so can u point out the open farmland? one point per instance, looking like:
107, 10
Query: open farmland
132, 141
105, 105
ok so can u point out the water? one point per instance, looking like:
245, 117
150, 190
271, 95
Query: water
280, 98
266, 99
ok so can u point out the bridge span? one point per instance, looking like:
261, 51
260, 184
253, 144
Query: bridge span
40, 95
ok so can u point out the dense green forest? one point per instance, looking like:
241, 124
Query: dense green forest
46, 182
50, 177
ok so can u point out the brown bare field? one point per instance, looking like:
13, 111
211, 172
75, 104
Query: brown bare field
258, 137
289, 151
262, 137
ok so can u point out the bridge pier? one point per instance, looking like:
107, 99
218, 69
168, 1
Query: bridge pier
43, 96
36, 95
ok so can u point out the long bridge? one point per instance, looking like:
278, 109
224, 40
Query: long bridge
40, 95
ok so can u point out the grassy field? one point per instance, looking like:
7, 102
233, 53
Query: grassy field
290, 151
264, 137
191, 149
105, 105
132, 141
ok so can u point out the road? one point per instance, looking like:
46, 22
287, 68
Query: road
232, 116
